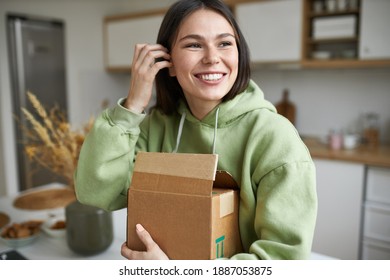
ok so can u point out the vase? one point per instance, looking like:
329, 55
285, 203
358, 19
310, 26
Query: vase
89, 230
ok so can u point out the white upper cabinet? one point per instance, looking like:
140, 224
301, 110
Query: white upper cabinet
122, 33
272, 29
375, 30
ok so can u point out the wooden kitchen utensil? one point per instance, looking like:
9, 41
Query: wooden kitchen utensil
45, 199
286, 108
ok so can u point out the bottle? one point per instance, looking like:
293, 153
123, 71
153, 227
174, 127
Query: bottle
286, 108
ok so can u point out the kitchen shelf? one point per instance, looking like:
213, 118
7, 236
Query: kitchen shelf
343, 52
334, 14
335, 47
333, 40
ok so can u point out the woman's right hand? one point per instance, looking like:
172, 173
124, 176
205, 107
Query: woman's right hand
153, 251
143, 72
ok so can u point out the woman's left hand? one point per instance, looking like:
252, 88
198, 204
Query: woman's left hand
153, 251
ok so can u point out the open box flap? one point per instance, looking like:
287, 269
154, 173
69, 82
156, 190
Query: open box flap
175, 172
225, 180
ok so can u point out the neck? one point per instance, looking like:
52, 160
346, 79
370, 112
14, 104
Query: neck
200, 112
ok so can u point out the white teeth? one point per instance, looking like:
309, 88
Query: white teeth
211, 77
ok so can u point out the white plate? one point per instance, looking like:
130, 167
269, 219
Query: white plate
47, 228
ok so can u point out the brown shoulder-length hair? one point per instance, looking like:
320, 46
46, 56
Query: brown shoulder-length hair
168, 89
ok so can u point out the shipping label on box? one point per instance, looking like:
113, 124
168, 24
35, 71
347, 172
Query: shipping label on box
189, 208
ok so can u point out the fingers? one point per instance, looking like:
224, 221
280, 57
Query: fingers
153, 251
129, 254
126, 252
150, 58
145, 237
144, 70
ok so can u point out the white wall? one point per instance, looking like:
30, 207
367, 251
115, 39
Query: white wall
331, 99
324, 98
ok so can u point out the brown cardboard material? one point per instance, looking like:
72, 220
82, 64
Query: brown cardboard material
189, 208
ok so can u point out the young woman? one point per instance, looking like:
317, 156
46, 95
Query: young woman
206, 103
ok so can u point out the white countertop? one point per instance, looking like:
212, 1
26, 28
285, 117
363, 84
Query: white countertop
56, 248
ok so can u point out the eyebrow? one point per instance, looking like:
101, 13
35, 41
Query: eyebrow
199, 37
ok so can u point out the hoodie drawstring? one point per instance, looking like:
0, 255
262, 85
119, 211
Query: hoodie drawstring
215, 131
180, 130
183, 116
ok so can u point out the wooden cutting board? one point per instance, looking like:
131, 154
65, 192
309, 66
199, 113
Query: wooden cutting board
45, 199
286, 108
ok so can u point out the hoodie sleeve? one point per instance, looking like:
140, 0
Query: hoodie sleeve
285, 215
278, 207
286, 212
106, 159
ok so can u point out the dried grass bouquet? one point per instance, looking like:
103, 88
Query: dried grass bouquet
51, 142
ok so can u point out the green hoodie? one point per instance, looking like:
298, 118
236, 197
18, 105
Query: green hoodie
260, 148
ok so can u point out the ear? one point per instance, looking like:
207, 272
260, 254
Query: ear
172, 71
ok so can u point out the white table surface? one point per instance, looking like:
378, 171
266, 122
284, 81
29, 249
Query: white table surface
55, 248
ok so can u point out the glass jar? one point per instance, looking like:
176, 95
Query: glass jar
335, 140
89, 229
371, 129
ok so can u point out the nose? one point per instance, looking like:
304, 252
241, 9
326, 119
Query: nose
210, 56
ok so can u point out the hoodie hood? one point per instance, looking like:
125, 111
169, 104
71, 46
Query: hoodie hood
252, 98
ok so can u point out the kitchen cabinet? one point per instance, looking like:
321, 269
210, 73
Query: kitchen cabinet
374, 206
375, 30
272, 29
122, 32
278, 32
340, 195
330, 35
364, 43
376, 223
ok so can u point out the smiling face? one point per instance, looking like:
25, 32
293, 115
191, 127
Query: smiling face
205, 60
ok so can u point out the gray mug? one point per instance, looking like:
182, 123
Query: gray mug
89, 230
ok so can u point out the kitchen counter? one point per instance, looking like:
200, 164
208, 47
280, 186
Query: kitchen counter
376, 156
56, 248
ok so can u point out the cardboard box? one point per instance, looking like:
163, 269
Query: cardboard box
334, 27
189, 208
